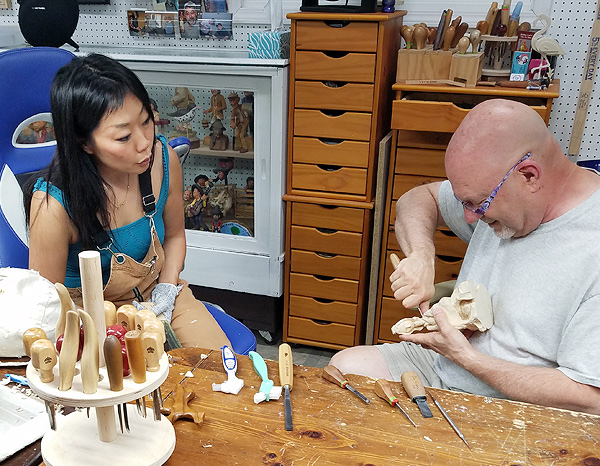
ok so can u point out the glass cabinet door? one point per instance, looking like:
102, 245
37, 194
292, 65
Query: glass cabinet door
218, 171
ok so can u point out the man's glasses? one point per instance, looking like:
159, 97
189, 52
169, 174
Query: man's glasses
482, 208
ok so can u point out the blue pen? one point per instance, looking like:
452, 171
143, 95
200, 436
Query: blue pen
17, 379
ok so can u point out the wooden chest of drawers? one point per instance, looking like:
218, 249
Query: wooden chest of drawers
341, 72
423, 120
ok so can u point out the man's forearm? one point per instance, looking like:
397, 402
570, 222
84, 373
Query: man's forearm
540, 385
417, 217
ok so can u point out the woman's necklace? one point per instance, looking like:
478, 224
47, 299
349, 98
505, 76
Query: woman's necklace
126, 192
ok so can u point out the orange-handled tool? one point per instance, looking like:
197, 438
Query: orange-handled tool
383, 390
333, 374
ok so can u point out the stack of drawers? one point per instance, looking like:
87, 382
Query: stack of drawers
424, 120
342, 67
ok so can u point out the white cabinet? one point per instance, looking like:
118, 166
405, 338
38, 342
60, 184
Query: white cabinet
254, 263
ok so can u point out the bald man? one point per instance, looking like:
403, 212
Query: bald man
531, 218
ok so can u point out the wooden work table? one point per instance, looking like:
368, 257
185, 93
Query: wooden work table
334, 427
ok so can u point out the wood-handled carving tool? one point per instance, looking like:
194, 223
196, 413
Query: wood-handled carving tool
110, 313
505, 12
456, 22
383, 390
267, 390
420, 37
135, 355
461, 30
407, 33
68, 352
126, 316
30, 336
416, 391
448, 37
66, 304
463, 45
153, 347
286, 380
114, 362
447, 417
491, 16
395, 260
475, 39
432, 32
447, 22
90, 356
43, 358
333, 374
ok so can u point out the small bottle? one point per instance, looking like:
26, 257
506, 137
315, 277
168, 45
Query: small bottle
388, 6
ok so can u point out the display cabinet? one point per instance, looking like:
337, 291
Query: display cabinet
247, 254
424, 119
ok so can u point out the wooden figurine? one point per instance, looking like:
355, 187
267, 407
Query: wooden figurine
469, 307
185, 103
218, 140
194, 211
217, 105
249, 188
217, 223
239, 122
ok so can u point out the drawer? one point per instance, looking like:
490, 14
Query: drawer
333, 333
327, 216
335, 289
346, 125
330, 178
324, 310
446, 243
422, 115
328, 241
392, 311
324, 66
333, 95
331, 151
332, 265
404, 183
425, 162
358, 36
446, 268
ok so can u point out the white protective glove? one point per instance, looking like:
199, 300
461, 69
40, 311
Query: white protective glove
163, 297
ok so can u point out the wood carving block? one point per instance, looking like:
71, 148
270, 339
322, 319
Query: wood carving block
178, 406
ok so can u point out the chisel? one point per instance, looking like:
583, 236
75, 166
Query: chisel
383, 390
333, 374
416, 391
286, 380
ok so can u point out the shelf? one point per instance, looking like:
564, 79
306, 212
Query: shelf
204, 150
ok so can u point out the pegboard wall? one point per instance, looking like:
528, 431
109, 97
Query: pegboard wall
107, 25
571, 26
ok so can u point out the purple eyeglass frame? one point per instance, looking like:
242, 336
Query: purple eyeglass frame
485, 205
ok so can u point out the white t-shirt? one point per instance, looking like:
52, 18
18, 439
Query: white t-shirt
545, 291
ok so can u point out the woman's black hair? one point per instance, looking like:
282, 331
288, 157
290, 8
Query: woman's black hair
83, 93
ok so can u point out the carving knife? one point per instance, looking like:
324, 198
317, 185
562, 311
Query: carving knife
383, 390
333, 374
416, 391
286, 380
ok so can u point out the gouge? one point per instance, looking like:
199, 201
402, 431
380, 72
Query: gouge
333, 374
286, 380
416, 391
383, 390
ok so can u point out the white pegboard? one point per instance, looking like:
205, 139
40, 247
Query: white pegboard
571, 27
107, 25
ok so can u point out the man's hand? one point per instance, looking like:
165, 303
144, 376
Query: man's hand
412, 282
447, 341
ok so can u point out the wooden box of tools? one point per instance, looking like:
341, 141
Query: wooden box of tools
424, 64
466, 68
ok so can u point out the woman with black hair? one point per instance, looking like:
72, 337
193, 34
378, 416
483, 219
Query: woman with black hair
114, 187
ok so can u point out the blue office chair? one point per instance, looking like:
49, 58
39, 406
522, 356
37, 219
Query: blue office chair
26, 77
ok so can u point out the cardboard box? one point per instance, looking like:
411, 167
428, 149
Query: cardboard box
269, 44
466, 67
425, 64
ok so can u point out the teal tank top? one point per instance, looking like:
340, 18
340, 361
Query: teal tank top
133, 239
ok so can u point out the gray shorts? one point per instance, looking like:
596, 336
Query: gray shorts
405, 356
